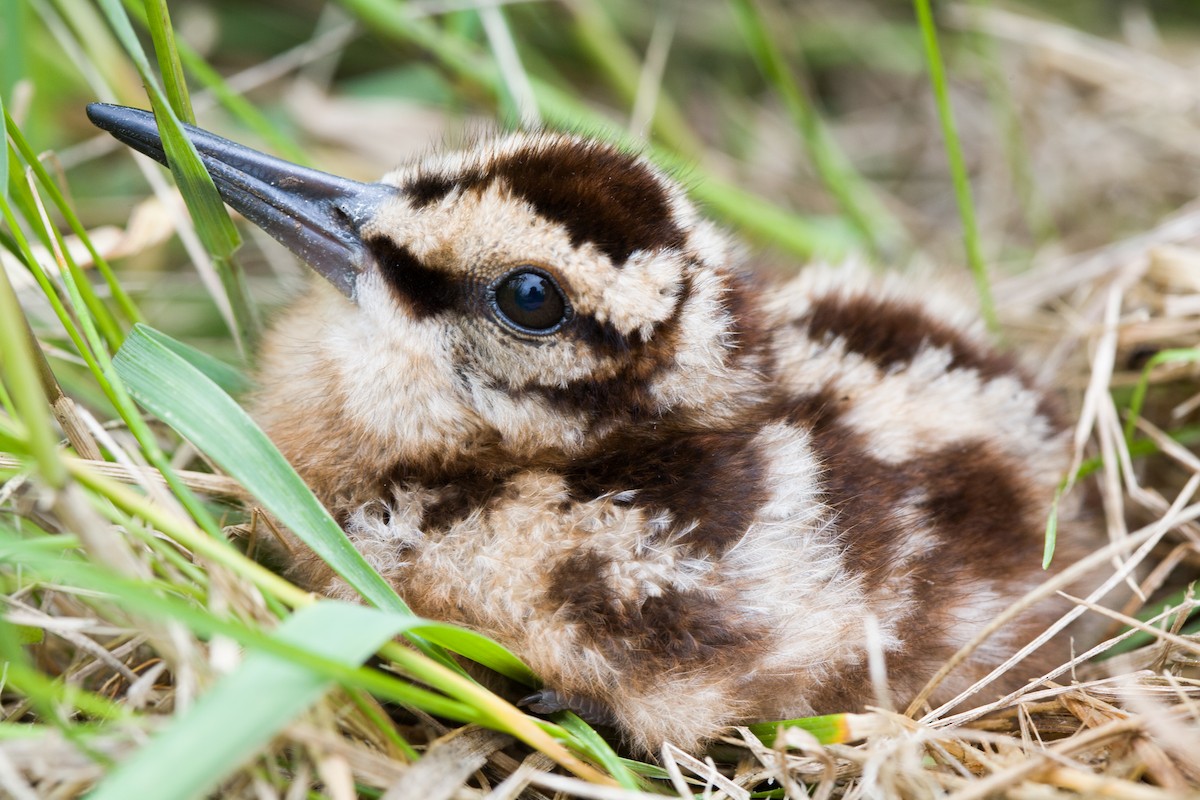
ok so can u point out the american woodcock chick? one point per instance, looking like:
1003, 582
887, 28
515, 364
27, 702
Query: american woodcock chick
547, 404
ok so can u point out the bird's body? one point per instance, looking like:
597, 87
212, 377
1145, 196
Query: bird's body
547, 404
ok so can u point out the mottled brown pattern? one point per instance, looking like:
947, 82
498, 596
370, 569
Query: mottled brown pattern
625, 393
657, 633
892, 332
749, 329
968, 496
676, 471
987, 527
460, 496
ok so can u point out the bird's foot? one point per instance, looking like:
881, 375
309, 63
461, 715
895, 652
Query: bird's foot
548, 701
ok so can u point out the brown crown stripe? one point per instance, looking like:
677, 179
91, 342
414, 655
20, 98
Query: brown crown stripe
599, 194
425, 291
428, 188
651, 633
712, 480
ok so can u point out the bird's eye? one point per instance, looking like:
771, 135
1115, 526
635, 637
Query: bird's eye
530, 301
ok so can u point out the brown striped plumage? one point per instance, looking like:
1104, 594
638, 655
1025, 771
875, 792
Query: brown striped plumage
680, 503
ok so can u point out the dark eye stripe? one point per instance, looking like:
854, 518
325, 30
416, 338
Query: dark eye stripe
425, 291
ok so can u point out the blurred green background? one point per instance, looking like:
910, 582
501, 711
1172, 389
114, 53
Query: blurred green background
1077, 118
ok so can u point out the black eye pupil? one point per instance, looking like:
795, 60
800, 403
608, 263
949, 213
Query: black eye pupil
530, 292
531, 301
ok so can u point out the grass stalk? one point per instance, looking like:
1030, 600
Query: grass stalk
958, 166
874, 223
236, 104
20, 372
1138, 399
620, 67
19, 367
213, 225
169, 65
81, 328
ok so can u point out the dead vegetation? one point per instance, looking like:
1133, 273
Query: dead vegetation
1084, 161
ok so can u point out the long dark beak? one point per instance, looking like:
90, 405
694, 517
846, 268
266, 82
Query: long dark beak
315, 215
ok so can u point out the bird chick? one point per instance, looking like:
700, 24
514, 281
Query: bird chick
546, 402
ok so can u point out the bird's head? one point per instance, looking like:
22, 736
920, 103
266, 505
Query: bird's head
526, 295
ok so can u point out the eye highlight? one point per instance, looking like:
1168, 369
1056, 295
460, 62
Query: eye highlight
529, 300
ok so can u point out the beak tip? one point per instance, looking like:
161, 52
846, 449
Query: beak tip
104, 115
300, 207
125, 123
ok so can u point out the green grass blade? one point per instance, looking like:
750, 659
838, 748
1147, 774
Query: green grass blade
213, 225
231, 379
80, 327
3, 152
241, 714
1052, 526
599, 749
958, 166
21, 249
154, 600
1138, 399
476, 647
466, 701
869, 217
828, 729
124, 302
12, 44
237, 105
34, 211
20, 372
174, 82
184, 398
